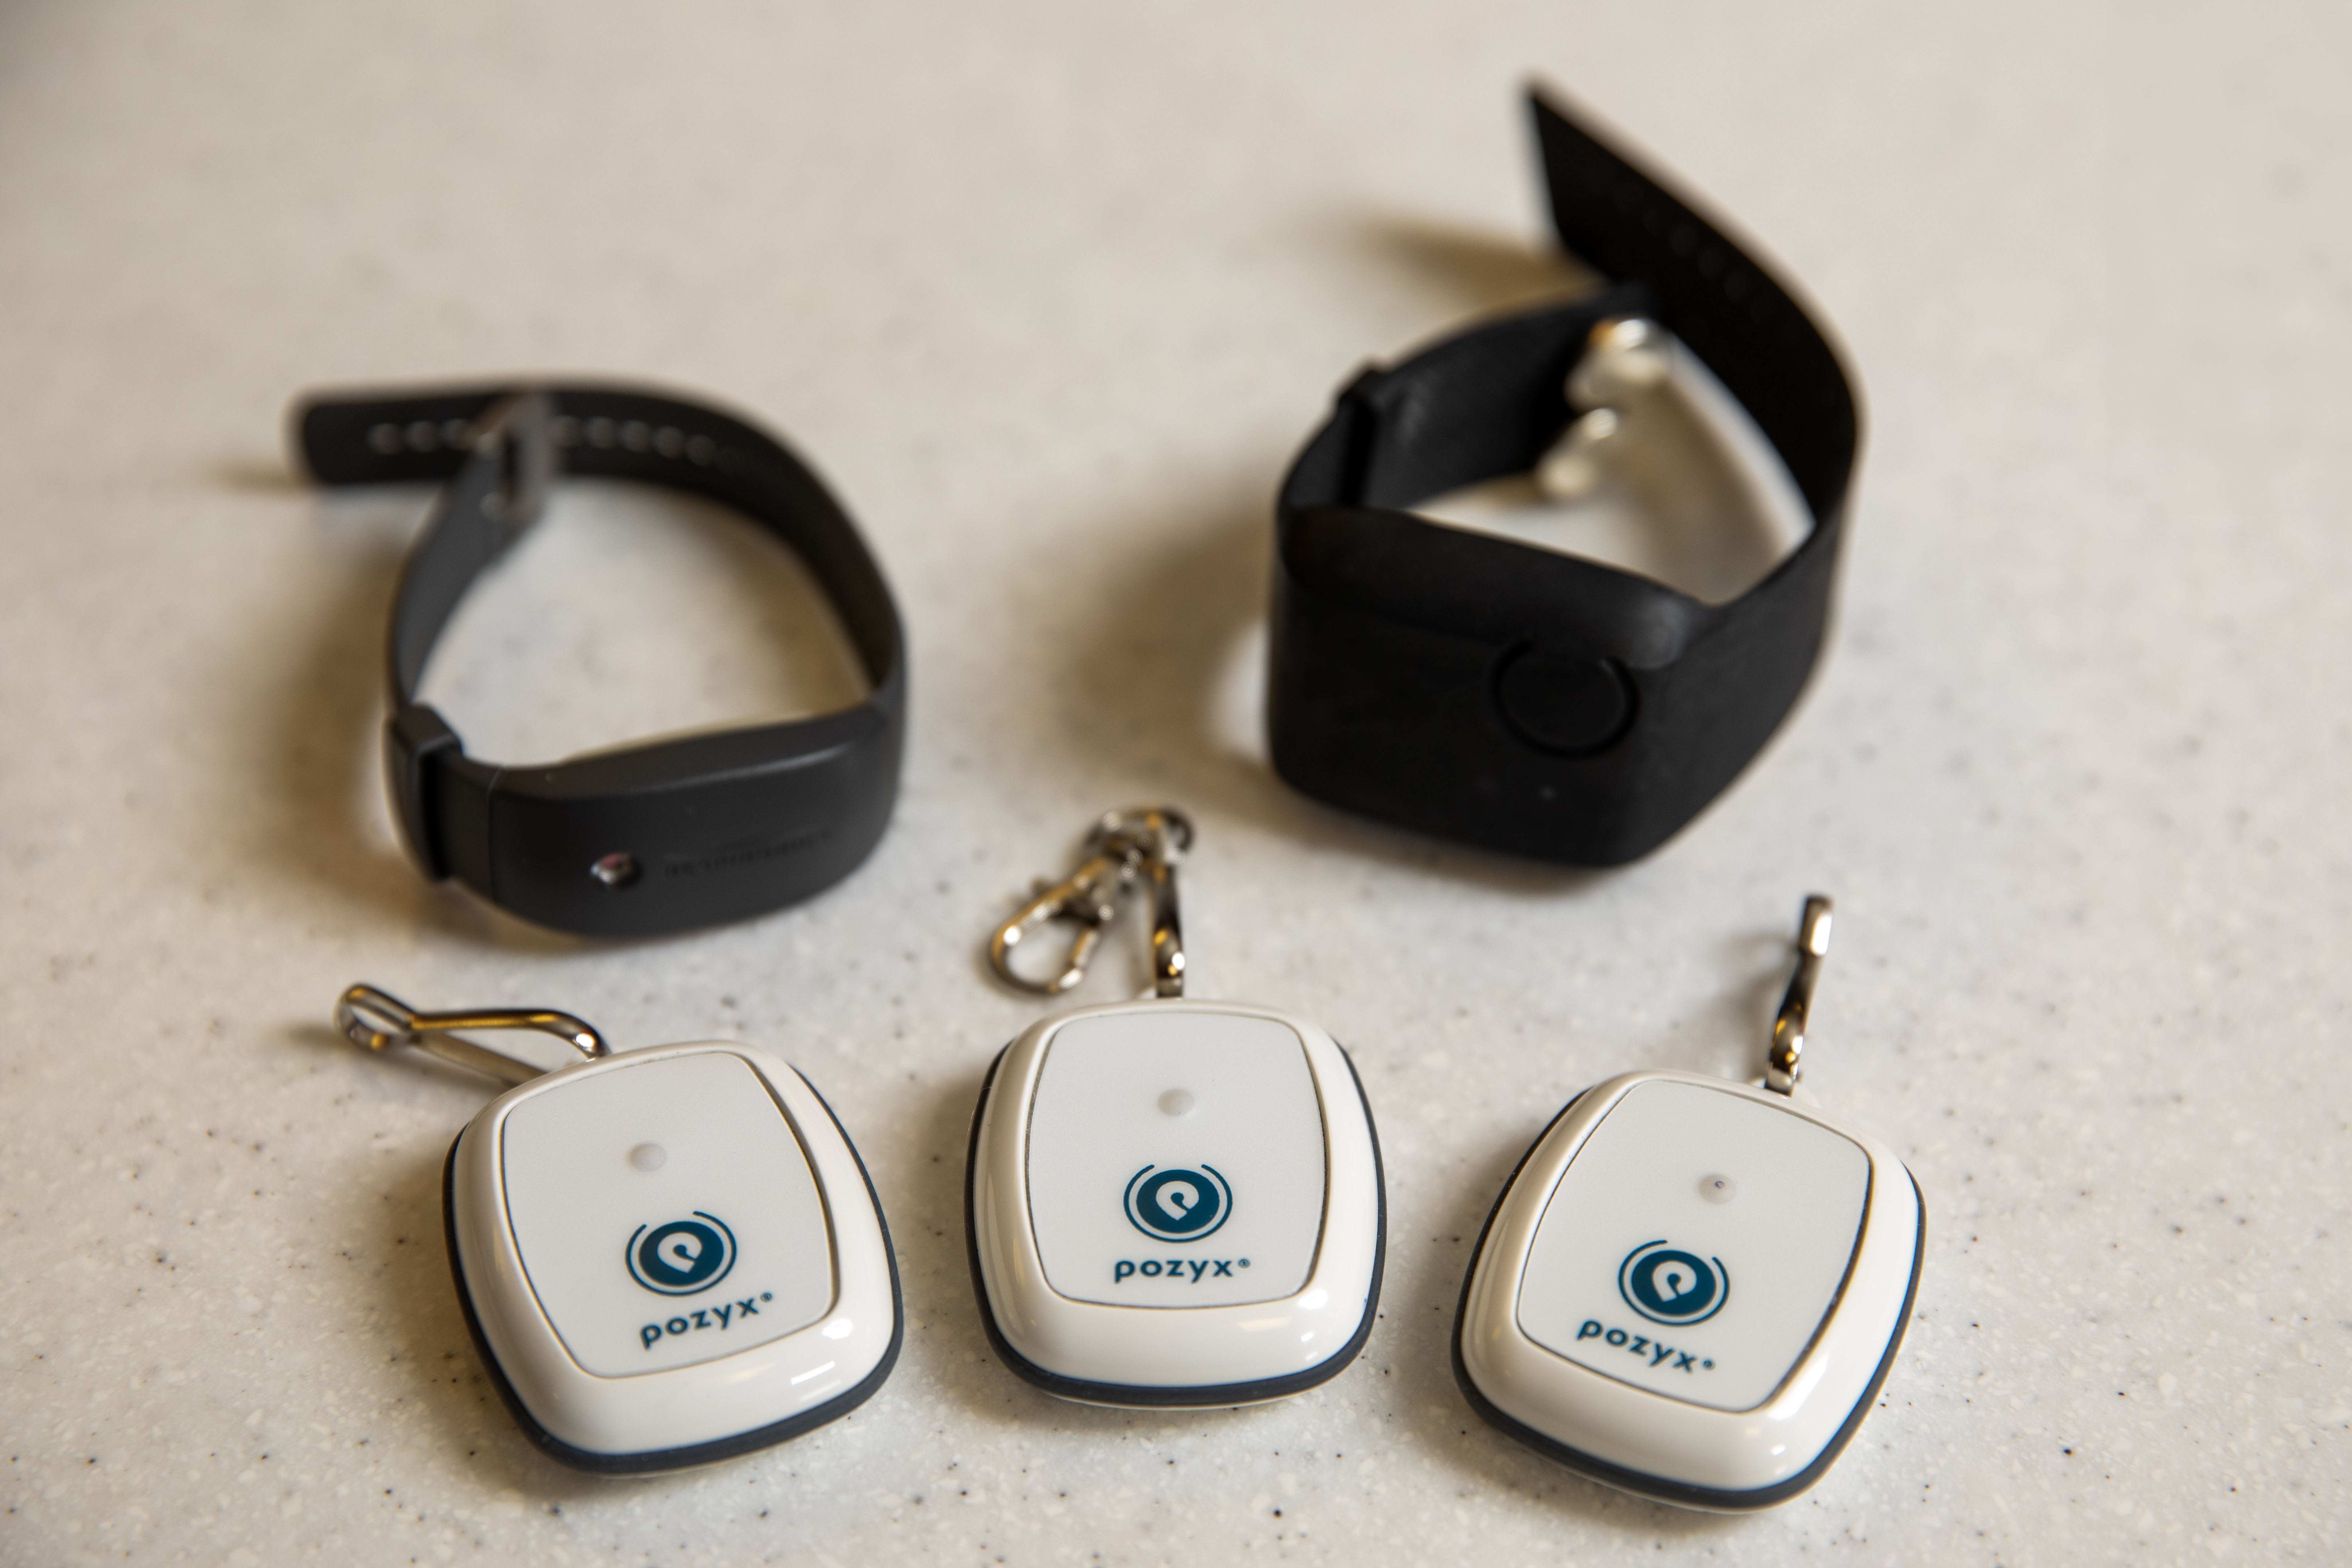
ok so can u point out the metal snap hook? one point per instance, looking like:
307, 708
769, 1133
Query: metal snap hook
1783, 1066
376, 1021
1136, 845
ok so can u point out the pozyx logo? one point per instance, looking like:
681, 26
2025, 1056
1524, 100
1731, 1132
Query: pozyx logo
1178, 1204
716, 1317
684, 1258
1642, 1346
1191, 1271
1667, 1285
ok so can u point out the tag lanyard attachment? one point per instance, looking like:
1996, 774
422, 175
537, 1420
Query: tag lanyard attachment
375, 1021
1785, 1063
1137, 846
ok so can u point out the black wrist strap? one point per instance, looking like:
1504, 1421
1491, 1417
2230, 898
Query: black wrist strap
1513, 697
646, 839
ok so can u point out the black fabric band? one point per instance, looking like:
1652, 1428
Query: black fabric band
694, 831
1512, 697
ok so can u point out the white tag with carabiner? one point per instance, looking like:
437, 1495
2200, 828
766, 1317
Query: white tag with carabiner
667, 1256
1691, 1288
1170, 1203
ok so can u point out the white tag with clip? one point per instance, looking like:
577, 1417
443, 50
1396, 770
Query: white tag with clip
667, 1256
1691, 1288
1171, 1204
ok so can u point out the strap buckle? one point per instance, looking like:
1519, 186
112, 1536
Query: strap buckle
518, 433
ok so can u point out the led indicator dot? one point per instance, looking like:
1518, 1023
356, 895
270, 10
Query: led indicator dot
1718, 1189
649, 1156
1177, 1103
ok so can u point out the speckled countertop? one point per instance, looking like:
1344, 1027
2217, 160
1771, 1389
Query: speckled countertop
1049, 293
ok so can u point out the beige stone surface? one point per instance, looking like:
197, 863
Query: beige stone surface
1050, 293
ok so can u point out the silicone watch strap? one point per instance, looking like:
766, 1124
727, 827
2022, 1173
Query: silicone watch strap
644, 838
1508, 696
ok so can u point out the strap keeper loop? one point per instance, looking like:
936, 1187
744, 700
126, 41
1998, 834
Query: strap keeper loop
412, 736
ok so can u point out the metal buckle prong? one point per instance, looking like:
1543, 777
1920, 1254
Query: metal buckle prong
1625, 358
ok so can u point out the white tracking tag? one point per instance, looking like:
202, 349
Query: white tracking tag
1691, 1288
666, 1257
670, 1257
1175, 1203
1171, 1204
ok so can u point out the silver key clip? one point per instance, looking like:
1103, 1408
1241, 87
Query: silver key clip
375, 1020
1137, 846
1783, 1066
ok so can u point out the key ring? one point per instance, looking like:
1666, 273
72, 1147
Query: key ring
1135, 844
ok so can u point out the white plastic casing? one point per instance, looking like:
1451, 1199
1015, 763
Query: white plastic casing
1692, 1290
585, 1211
1240, 1138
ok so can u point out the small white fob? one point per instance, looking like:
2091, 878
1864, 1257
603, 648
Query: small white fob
1175, 1203
1692, 1290
670, 1257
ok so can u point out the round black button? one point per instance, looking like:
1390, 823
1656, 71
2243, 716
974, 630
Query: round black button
1566, 705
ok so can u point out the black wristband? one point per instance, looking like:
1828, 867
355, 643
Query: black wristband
644, 839
1513, 697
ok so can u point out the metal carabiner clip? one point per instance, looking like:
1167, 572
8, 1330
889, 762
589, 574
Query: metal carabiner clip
1139, 844
376, 1021
1786, 1062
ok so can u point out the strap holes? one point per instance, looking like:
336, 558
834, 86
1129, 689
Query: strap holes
385, 438
700, 450
457, 432
599, 432
567, 430
669, 441
637, 435
422, 436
